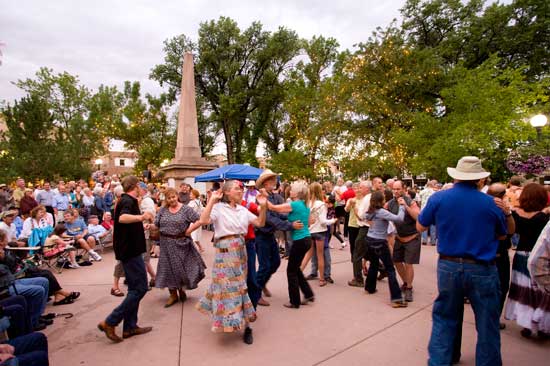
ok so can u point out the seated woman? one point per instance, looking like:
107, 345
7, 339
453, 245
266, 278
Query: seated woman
37, 227
61, 297
58, 243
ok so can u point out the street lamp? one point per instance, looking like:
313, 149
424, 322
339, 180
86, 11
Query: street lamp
538, 122
98, 162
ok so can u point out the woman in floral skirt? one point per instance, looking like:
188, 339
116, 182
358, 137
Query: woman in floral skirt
226, 299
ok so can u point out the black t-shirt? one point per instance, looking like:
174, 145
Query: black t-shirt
408, 226
128, 239
529, 230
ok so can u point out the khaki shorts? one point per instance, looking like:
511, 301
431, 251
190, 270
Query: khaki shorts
408, 252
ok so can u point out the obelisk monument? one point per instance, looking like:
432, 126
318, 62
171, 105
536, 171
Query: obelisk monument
188, 161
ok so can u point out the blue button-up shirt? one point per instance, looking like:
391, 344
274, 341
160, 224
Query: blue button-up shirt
45, 198
61, 201
468, 222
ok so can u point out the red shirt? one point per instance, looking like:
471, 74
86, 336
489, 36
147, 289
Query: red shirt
108, 224
349, 193
252, 207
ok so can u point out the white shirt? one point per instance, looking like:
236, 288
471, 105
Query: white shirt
31, 223
96, 230
340, 189
10, 230
362, 209
230, 221
319, 214
147, 205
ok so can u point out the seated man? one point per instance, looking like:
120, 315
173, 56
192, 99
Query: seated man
27, 350
9, 227
77, 229
95, 229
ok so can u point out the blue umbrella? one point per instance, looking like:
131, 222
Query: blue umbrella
232, 171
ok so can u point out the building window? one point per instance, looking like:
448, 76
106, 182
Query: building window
122, 162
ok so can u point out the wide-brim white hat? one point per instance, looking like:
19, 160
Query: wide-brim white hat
266, 174
250, 183
468, 168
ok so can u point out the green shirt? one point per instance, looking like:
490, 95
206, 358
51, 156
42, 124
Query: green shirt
300, 212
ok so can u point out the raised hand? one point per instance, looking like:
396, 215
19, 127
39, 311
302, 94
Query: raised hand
216, 195
262, 200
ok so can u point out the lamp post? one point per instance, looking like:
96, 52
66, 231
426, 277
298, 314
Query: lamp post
538, 122
98, 162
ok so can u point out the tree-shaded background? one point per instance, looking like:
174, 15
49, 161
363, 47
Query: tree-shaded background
452, 78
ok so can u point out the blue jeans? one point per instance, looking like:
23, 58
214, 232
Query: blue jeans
378, 250
16, 309
35, 291
254, 291
136, 276
326, 256
30, 349
480, 284
268, 257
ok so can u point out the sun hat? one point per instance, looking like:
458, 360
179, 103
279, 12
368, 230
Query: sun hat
468, 168
266, 174
9, 213
250, 183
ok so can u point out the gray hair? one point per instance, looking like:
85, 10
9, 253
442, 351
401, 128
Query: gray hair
301, 189
98, 190
349, 184
118, 190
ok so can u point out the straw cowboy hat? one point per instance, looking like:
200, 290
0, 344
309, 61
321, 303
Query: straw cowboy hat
250, 183
9, 213
468, 168
266, 174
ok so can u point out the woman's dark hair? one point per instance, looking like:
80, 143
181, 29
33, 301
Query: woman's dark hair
412, 194
376, 201
59, 229
533, 198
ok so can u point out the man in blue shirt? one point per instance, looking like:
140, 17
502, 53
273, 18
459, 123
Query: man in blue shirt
469, 226
61, 203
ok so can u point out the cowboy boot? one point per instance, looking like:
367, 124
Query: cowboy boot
172, 299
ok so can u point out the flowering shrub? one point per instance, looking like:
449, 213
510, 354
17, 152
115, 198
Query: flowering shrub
532, 164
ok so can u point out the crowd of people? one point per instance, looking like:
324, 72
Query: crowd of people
255, 224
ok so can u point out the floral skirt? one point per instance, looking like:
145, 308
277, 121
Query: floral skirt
527, 304
226, 299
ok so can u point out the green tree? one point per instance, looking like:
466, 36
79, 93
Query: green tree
58, 127
237, 76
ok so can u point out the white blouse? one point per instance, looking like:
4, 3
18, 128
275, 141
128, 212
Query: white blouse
230, 221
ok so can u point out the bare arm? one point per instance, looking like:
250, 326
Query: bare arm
205, 215
260, 221
130, 219
282, 208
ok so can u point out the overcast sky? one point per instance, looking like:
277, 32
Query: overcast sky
108, 42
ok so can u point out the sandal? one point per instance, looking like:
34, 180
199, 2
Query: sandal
117, 292
67, 300
322, 283
74, 295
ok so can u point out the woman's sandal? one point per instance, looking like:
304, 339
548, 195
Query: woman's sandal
322, 283
67, 300
117, 292
74, 295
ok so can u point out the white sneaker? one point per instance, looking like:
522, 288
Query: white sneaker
74, 265
95, 256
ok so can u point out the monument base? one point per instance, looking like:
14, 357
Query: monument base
184, 171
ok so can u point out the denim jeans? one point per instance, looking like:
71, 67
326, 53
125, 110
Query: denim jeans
378, 250
136, 276
35, 291
254, 291
326, 256
31, 349
480, 284
296, 279
268, 257
16, 309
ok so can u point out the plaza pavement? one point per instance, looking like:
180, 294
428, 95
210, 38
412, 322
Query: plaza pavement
344, 326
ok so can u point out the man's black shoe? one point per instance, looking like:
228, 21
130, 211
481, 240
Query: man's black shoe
247, 337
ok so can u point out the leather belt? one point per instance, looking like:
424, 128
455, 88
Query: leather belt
179, 236
466, 260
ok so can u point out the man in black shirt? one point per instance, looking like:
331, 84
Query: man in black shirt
406, 250
129, 245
